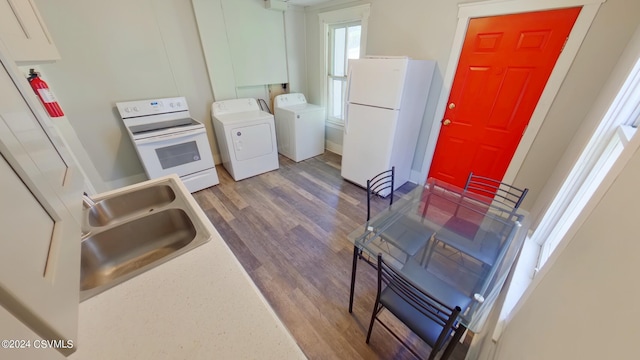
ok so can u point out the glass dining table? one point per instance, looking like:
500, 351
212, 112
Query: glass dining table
456, 245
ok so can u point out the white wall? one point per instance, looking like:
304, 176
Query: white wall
584, 306
109, 55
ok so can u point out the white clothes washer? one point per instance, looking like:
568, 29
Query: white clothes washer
246, 137
299, 127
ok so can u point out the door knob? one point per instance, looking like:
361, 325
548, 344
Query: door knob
446, 122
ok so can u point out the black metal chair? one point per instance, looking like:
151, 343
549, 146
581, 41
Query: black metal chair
506, 194
506, 200
402, 234
431, 320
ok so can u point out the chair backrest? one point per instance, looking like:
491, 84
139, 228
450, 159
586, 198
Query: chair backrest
380, 185
503, 193
432, 309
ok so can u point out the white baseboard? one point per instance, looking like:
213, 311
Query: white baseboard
333, 147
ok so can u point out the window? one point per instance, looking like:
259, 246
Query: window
343, 36
344, 44
612, 135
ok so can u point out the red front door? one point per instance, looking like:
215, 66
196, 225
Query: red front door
503, 68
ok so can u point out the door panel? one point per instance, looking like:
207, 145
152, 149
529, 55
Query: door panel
24, 241
367, 142
12, 328
503, 68
252, 141
24, 33
40, 252
376, 82
33, 138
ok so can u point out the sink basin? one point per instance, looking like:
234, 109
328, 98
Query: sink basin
128, 204
126, 248
134, 229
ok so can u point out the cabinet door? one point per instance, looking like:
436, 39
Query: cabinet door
24, 33
33, 348
40, 243
256, 43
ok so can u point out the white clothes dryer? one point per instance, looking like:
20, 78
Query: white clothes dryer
299, 127
246, 137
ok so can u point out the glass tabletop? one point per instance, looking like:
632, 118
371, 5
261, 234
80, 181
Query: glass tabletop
457, 245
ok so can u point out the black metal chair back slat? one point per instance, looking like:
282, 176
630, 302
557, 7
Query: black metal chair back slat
503, 193
378, 185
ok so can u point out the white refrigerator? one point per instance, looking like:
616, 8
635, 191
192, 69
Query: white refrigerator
384, 106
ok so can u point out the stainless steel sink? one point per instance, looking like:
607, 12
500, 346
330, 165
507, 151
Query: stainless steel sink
128, 204
135, 230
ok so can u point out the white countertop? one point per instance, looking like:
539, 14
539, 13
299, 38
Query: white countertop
200, 305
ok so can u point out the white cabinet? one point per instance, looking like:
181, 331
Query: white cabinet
256, 42
40, 198
24, 33
243, 44
29, 346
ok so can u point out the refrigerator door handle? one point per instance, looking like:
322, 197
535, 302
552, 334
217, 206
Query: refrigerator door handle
345, 109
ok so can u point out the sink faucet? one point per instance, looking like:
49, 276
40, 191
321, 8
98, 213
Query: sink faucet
87, 202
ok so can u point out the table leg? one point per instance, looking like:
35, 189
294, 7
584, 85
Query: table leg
453, 342
354, 266
432, 243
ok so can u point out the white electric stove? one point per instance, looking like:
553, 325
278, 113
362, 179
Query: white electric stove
169, 141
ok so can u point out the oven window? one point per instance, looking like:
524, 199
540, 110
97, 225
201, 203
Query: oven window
176, 155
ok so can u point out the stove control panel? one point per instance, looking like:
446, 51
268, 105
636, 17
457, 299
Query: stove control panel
139, 108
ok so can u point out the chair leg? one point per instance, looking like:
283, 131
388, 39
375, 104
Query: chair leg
453, 342
429, 252
354, 266
373, 319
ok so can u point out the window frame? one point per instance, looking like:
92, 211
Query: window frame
342, 16
329, 77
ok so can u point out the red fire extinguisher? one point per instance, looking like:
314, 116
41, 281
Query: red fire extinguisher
46, 97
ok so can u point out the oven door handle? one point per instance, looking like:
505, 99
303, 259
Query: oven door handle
178, 135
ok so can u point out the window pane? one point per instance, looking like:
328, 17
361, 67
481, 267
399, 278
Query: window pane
329, 97
336, 99
353, 42
339, 39
344, 44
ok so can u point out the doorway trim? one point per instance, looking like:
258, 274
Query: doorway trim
505, 7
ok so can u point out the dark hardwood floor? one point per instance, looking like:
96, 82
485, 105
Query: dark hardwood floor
288, 228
